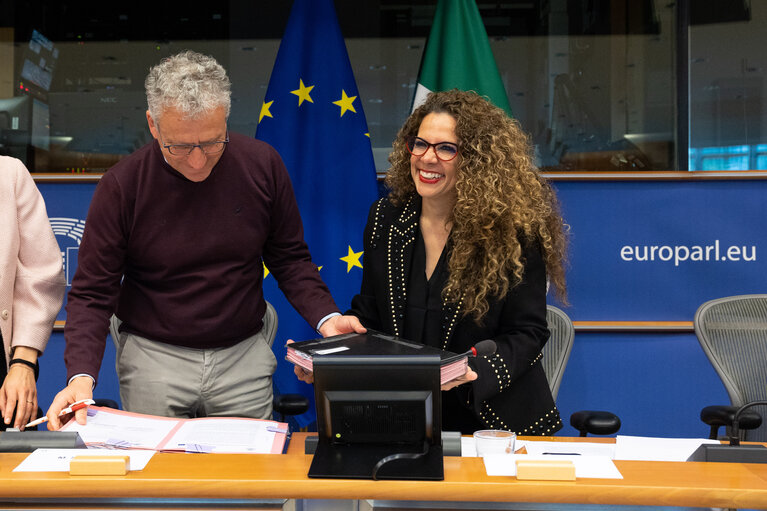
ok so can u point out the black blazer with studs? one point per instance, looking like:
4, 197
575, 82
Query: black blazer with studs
511, 391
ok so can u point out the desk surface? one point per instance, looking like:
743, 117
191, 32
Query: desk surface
241, 476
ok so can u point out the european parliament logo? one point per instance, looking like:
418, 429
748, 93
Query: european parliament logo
69, 234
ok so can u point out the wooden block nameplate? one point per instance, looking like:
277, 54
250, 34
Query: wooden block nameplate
545, 470
99, 465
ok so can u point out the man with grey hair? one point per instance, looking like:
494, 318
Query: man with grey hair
173, 245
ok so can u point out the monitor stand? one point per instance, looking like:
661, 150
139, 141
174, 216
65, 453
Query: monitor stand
358, 461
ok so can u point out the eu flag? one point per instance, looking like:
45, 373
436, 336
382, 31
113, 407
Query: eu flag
312, 114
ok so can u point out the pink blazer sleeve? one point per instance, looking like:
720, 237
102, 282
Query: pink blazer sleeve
32, 280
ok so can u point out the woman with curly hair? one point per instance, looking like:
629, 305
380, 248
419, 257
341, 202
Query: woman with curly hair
461, 251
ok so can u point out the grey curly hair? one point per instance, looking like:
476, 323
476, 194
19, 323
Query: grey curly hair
192, 83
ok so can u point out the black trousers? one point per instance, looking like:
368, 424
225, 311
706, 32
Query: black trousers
3, 374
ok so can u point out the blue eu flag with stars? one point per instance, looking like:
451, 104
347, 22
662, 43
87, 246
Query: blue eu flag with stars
312, 114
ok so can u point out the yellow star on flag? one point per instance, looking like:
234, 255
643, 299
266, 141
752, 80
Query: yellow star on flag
265, 110
352, 259
346, 103
266, 270
303, 92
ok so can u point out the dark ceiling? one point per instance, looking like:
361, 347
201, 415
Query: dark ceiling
96, 20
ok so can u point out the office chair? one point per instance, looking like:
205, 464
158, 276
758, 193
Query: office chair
733, 334
556, 353
282, 405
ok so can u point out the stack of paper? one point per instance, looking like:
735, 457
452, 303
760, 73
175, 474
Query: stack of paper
371, 344
119, 429
657, 449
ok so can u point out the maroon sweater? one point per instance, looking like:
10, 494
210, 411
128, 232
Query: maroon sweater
181, 262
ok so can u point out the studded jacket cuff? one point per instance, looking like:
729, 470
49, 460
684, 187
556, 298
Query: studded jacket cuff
494, 377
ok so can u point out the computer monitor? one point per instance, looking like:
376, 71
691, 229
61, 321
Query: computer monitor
38, 64
15, 127
378, 417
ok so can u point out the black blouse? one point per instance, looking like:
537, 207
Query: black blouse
3, 374
422, 324
3, 370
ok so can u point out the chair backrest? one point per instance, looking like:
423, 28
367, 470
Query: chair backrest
733, 333
557, 350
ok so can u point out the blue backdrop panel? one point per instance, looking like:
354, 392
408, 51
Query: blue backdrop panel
67, 205
53, 374
655, 251
656, 382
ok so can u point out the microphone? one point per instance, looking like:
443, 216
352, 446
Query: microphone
733, 453
482, 349
734, 430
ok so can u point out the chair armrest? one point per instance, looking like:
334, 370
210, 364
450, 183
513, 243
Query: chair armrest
723, 415
290, 404
595, 422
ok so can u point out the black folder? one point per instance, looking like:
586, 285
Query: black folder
374, 344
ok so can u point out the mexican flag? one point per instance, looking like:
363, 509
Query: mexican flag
458, 55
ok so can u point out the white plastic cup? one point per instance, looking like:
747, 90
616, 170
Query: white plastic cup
494, 441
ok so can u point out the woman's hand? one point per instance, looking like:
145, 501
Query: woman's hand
468, 376
301, 373
19, 393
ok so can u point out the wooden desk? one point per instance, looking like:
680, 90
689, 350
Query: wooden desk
242, 477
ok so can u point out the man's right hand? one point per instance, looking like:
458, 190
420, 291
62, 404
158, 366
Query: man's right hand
79, 388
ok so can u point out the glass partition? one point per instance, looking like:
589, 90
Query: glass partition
594, 82
728, 121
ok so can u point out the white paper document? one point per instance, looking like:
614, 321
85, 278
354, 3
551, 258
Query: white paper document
600, 467
542, 448
657, 449
57, 460
119, 429
469, 448
108, 428
224, 436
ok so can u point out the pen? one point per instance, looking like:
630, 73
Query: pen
77, 405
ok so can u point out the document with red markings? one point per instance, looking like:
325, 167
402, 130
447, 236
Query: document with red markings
118, 429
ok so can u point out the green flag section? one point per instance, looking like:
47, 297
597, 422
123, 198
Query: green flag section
458, 55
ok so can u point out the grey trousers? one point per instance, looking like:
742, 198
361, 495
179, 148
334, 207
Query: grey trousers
173, 381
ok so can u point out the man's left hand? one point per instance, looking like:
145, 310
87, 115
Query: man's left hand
337, 325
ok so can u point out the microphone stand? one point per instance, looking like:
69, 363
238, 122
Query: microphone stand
734, 452
735, 429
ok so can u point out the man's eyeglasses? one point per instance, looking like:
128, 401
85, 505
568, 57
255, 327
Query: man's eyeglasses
445, 151
205, 147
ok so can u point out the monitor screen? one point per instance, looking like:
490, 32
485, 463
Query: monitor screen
39, 61
367, 416
15, 113
15, 124
378, 417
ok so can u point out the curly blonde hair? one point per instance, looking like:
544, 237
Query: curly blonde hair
502, 201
